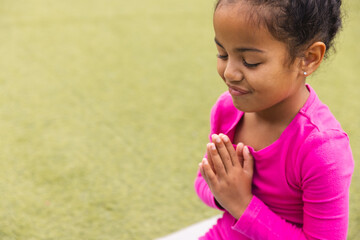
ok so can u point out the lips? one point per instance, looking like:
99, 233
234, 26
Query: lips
235, 91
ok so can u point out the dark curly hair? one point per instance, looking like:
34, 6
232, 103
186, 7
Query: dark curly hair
298, 23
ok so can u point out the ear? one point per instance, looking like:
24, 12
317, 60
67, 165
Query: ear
312, 58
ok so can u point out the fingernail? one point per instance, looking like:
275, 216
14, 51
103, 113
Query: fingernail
246, 149
205, 161
218, 140
225, 138
212, 146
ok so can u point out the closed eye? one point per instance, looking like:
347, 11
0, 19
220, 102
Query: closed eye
222, 57
250, 65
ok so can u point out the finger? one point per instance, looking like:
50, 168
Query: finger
209, 158
229, 146
210, 176
218, 164
239, 153
248, 161
223, 152
201, 167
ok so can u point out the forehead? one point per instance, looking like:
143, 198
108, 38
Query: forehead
252, 10
238, 23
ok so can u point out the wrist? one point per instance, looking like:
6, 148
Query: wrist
242, 208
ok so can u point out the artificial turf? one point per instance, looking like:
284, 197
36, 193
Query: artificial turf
104, 109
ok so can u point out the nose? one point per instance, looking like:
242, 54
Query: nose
232, 72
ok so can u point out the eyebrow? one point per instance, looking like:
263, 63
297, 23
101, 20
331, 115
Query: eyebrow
240, 49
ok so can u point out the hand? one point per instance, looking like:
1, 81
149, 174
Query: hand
228, 174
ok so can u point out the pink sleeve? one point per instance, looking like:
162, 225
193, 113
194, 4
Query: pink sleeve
325, 169
203, 191
201, 187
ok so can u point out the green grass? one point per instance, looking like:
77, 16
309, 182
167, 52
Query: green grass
104, 109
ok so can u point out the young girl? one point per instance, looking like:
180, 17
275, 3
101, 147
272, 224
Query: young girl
289, 172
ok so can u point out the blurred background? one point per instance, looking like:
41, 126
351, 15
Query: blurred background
104, 115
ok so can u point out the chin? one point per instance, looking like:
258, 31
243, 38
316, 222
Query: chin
241, 107
244, 107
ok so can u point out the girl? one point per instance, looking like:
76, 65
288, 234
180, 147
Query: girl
288, 175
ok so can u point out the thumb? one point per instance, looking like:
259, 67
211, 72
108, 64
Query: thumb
248, 160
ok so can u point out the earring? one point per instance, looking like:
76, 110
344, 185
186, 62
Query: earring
305, 73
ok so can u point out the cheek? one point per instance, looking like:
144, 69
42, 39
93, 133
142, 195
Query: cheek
221, 68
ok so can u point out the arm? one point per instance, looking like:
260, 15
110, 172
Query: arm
325, 170
201, 187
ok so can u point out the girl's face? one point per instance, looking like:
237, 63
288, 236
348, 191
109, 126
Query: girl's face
255, 66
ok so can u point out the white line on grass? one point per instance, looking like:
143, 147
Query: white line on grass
192, 232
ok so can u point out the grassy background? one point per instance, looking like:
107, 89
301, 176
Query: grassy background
104, 109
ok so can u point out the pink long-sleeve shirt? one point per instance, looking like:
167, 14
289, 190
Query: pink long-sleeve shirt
300, 183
